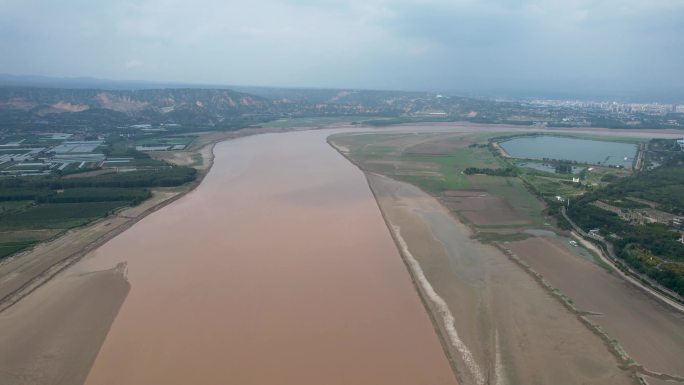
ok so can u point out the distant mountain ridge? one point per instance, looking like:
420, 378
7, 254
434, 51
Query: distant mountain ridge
42, 100
43, 108
672, 93
200, 106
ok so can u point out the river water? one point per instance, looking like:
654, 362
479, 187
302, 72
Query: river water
277, 269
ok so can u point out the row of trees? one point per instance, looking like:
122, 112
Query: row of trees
663, 185
163, 177
76, 195
563, 168
654, 239
508, 171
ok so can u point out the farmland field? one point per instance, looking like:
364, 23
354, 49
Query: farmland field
436, 163
57, 215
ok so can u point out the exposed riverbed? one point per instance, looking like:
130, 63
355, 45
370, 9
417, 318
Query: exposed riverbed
504, 328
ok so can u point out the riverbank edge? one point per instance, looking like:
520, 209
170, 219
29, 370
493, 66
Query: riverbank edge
42, 277
443, 340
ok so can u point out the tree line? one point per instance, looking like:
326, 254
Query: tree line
508, 171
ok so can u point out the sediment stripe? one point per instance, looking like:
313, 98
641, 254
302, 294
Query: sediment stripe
442, 309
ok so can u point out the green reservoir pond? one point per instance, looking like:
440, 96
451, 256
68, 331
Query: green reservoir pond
571, 149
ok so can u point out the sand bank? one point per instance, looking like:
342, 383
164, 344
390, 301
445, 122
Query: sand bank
54, 335
651, 333
511, 327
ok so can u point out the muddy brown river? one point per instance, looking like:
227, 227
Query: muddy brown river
277, 269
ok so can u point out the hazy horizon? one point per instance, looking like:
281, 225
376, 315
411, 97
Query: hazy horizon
522, 48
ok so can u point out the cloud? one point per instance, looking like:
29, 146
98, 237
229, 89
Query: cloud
407, 44
133, 63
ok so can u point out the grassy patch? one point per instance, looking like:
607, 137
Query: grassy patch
167, 140
513, 191
9, 248
197, 160
57, 215
430, 184
435, 162
498, 237
551, 186
311, 122
451, 166
13, 205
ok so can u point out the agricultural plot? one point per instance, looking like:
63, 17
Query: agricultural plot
311, 121
57, 215
167, 143
436, 162
34, 209
25, 223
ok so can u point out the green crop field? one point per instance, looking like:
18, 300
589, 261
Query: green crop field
311, 122
166, 140
436, 162
6, 206
550, 187
9, 248
57, 215
33, 209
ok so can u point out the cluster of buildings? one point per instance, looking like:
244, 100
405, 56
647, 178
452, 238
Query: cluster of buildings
43, 157
643, 215
615, 107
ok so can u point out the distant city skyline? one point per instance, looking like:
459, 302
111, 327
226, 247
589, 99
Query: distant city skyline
510, 48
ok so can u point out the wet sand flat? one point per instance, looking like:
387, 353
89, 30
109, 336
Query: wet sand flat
277, 269
509, 329
54, 335
650, 333
22, 273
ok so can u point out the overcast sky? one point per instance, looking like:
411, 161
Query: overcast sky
404, 44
